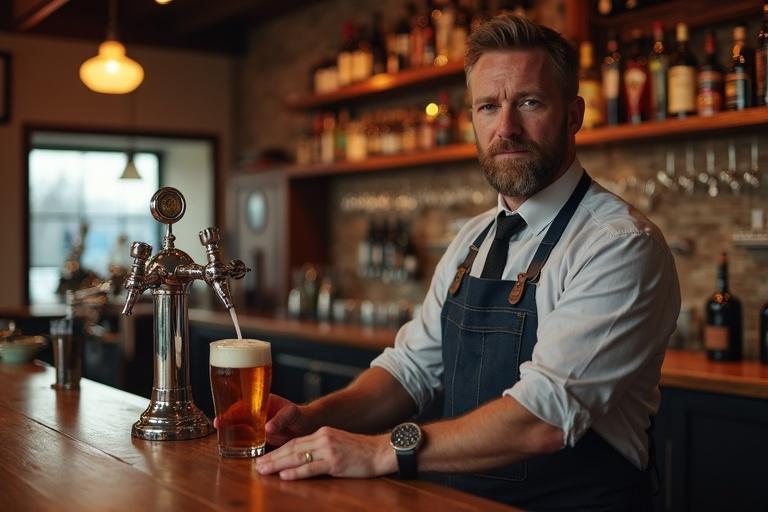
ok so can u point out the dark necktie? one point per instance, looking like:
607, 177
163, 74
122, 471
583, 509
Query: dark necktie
506, 226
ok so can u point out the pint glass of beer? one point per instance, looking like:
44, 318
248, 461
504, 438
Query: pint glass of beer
241, 373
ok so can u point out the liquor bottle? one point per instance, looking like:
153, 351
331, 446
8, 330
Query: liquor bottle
636, 82
738, 81
443, 17
658, 67
761, 61
378, 46
443, 121
328, 139
376, 262
460, 32
722, 333
402, 41
428, 35
682, 77
590, 87
340, 136
362, 56
764, 334
611, 71
344, 57
464, 127
710, 79
364, 252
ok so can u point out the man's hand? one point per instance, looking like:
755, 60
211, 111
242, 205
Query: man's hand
332, 452
285, 420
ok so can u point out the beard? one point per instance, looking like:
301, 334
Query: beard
523, 177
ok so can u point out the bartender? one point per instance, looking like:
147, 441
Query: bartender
545, 324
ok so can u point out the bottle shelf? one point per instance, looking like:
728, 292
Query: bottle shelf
695, 13
620, 134
693, 125
377, 84
440, 155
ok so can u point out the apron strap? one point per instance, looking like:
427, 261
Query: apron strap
468, 261
551, 238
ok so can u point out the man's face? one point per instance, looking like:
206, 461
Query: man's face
524, 128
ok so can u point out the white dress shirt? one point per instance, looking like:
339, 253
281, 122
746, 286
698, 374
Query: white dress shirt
607, 302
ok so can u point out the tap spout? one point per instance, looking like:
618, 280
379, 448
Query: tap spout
216, 272
136, 282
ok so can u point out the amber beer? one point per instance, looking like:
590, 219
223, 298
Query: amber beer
241, 373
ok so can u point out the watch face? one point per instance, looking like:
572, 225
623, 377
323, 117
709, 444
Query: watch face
406, 436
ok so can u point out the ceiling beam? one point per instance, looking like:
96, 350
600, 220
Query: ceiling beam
28, 13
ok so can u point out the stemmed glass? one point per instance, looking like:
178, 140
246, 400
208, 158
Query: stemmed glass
752, 175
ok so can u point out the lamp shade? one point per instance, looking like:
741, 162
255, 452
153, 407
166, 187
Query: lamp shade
130, 172
111, 72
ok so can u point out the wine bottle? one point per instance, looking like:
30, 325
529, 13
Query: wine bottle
682, 77
344, 61
590, 87
636, 82
710, 79
761, 61
738, 81
764, 334
611, 70
378, 46
658, 66
723, 332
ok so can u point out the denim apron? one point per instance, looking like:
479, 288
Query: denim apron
489, 330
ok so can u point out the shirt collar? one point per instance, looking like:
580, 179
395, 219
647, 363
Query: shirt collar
539, 210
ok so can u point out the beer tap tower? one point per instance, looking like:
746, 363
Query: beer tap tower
171, 414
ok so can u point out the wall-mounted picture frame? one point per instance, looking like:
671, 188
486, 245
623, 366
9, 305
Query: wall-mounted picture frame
5, 87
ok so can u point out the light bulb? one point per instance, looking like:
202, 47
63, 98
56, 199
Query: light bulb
111, 71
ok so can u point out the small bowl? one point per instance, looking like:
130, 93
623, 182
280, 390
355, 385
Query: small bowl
21, 349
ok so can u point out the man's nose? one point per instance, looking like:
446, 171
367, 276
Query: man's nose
510, 124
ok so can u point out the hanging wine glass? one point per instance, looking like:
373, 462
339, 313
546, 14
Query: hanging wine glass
713, 188
728, 175
666, 177
686, 180
752, 175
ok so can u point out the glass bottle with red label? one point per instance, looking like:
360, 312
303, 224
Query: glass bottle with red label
637, 84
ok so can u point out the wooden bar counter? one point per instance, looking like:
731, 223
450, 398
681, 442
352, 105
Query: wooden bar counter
73, 450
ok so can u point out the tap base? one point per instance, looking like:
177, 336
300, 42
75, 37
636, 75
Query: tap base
171, 421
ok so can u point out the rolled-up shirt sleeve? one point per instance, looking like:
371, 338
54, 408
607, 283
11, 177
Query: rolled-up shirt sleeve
613, 317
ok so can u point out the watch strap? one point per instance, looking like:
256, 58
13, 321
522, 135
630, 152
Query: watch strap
406, 464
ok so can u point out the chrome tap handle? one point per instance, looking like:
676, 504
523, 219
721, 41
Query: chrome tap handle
216, 273
135, 283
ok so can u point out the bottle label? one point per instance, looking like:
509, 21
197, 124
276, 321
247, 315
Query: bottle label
716, 337
682, 89
611, 80
344, 63
634, 83
737, 90
593, 103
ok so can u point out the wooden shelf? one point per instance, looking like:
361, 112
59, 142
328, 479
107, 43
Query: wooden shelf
442, 155
695, 13
624, 133
377, 84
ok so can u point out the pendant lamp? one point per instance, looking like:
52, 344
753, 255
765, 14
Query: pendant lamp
130, 172
111, 71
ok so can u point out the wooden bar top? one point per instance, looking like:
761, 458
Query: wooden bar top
73, 450
692, 370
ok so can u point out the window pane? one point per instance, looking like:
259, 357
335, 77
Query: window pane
70, 187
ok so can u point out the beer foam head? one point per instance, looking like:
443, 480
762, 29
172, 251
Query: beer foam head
240, 353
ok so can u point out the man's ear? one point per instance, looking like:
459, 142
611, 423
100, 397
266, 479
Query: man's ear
575, 114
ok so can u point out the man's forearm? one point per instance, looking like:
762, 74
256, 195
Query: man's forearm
374, 402
499, 433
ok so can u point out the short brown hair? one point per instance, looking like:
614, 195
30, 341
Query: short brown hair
508, 32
